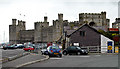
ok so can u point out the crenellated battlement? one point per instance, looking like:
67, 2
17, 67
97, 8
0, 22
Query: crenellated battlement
45, 33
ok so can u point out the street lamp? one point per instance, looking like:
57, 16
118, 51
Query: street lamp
41, 37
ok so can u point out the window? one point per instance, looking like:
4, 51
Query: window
82, 33
73, 48
78, 48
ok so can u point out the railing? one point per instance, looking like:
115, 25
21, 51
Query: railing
92, 49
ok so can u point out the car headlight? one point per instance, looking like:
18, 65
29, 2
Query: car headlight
82, 50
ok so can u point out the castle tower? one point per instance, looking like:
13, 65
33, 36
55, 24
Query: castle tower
45, 19
81, 15
14, 21
24, 25
60, 17
12, 32
21, 25
104, 18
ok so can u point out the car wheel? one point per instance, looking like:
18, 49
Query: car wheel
4, 48
29, 50
78, 53
49, 55
60, 55
64, 53
42, 53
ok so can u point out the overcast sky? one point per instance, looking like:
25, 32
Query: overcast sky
35, 10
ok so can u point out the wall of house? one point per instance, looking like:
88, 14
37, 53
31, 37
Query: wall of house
91, 37
104, 46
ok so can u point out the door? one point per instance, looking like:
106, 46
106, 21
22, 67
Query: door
73, 49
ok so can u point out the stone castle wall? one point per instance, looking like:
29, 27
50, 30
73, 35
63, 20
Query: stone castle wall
45, 33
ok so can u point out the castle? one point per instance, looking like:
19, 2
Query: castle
43, 33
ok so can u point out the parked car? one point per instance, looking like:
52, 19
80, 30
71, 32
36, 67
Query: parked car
9, 47
44, 51
74, 50
28, 48
54, 51
20, 46
1, 47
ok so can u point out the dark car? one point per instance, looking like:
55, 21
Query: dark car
54, 51
9, 47
74, 50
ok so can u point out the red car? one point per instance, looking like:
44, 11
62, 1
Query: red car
29, 48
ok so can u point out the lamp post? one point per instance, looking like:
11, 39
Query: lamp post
41, 37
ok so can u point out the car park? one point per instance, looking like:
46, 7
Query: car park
74, 50
54, 51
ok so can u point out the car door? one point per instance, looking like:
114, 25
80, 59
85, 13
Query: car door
73, 49
69, 49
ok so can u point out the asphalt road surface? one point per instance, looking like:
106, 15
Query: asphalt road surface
10, 52
79, 61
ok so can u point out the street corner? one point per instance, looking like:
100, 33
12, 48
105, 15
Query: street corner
4, 60
32, 62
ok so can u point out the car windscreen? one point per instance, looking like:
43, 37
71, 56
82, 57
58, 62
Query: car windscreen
11, 46
28, 47
78, 48
54, 47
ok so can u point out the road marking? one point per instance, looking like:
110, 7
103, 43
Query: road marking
97, 55
84, 56
79, 56
55, 58
34, 54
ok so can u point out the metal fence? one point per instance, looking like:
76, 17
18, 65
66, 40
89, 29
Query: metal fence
92, 49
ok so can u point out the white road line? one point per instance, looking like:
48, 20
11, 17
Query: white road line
55, 58
97, 55
84, 56
79, 56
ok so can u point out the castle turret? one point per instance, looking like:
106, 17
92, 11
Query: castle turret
19, 22
60, 17
104, 18
14, 21
24, 27
45, 19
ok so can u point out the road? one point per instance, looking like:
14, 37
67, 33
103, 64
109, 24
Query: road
79, 61
10, 52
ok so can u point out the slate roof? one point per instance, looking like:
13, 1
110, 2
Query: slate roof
71, 32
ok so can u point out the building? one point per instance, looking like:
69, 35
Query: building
116, 23
98, 20
116, 31
43, 33
14, 30
88, 37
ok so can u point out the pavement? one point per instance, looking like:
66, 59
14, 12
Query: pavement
8, 55
25, 60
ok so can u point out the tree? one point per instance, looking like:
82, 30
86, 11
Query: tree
107, 34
